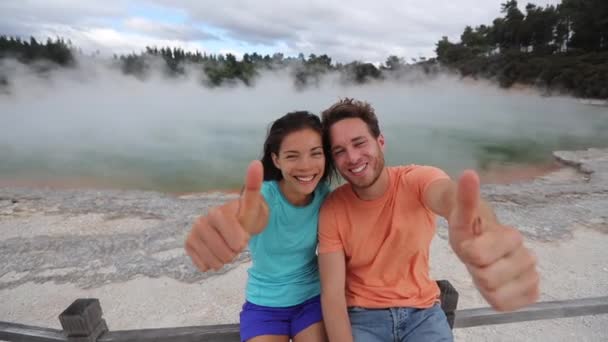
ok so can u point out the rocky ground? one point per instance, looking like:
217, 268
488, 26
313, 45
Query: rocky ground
126, 248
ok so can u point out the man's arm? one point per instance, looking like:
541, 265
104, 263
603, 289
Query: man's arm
440, 197
502, 268
333, 299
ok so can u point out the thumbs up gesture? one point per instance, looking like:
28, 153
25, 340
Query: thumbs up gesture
217, 238
503, 270
253, 210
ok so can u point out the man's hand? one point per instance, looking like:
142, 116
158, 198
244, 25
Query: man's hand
503, 270
217, 238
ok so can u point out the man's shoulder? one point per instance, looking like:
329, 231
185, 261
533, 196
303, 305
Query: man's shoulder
415, 170
405, 169
415, 176
337, 196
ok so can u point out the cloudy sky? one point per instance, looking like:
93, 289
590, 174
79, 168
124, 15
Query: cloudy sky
354, 30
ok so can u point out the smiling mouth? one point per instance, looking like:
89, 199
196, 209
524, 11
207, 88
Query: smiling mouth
305, 179
358, 170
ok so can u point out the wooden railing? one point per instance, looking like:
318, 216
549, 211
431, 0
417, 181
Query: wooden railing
82, 321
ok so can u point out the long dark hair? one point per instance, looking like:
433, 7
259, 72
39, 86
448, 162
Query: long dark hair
280, 128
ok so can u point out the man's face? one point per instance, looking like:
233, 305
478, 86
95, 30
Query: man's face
358, 156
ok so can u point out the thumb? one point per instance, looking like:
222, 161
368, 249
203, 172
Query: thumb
467, 202
251, 200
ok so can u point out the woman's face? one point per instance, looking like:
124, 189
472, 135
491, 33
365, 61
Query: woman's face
301, 161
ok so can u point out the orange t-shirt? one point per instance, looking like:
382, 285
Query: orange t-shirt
386, 241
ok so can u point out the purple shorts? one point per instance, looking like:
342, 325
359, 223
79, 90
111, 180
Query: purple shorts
257, 320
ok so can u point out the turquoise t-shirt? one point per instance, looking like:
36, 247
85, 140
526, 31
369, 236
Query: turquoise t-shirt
285, 270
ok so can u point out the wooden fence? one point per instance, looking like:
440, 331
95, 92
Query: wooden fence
83, 321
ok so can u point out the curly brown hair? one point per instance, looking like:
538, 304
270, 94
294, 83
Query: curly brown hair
350, 108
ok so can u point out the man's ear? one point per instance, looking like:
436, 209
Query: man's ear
381, 142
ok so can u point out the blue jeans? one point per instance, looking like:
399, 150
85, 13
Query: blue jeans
399, 325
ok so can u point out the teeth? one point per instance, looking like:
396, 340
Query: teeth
359, 169
305, 179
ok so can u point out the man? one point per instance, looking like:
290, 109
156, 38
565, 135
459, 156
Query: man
375, 234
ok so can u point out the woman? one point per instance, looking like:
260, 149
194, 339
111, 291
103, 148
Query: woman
283, 288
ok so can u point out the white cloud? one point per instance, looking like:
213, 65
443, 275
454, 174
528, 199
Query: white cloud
125, 42
108, 41
360, 29
69, 12
166, 30
236, 53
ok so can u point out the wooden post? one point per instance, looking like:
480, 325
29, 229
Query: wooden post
449, 300
82, 321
